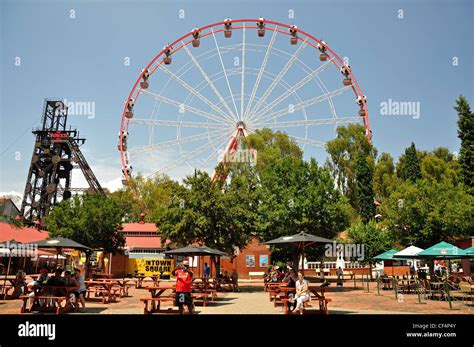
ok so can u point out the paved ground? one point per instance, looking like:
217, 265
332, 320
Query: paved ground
253, 300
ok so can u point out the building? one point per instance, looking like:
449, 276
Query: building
253, 258
10, 233
8, 208
143, 251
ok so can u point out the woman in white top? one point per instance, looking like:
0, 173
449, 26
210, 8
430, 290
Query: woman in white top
302, 292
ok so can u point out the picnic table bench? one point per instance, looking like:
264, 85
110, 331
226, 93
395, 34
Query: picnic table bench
52, 297
123, 285
141, 278
157, 297
317, 294
102, 289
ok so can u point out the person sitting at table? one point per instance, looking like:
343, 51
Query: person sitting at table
302, 292
81, 291
234, 280
70, 281
184, 278
20, 284
290, 280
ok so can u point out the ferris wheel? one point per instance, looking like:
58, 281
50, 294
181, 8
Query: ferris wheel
202, 93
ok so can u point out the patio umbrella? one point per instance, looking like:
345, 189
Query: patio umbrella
469, 252
58, 243
442, 250
200, 251
389, 256
301, 241
409, 252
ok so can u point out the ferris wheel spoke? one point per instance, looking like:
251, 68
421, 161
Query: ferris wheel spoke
277, 80
209, 82
310, 122
220, 145
174, 123
318, 144
189, 155
194, 92
296, 87
225, 72
306, 103
260, 73
181, 105
242, 90
171, 143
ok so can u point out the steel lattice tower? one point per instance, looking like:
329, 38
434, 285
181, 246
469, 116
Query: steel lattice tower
56, 153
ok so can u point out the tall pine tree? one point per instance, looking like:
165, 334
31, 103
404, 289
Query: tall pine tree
364, 188
466, 135
411, 170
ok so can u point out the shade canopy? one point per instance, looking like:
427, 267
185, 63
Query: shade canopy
469, 253
409, 252
59, 242
442, 250
299, 238
192, 251
389, 255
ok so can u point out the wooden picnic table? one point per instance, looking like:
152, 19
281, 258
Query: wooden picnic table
123, 283
316, 290
103, 288
48, 294
140, 278
156, 293
101, 275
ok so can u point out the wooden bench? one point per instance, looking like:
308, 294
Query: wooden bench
256, 273
4, 291
57, 299
158, 300
323, 305
102, 293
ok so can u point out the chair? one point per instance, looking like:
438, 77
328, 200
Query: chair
464, 292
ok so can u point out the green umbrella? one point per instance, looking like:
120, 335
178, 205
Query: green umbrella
469, 253
443, 250
388, 255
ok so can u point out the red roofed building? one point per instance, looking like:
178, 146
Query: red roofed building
24, 234
142, 240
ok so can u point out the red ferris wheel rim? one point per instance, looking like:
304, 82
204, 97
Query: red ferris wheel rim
135, 91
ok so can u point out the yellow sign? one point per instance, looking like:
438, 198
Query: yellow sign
150, 266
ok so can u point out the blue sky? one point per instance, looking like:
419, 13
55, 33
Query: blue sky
407, 59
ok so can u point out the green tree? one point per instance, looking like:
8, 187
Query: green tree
376, 239
409, 168
385, 179
92, 220
364, 189
466, 135
203, 213
155, 193
427, 212
440, 164
343, 150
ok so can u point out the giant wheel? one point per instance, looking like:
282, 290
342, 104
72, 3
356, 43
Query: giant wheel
202, 93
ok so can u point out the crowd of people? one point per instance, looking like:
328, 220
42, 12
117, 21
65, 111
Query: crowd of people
59, 278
